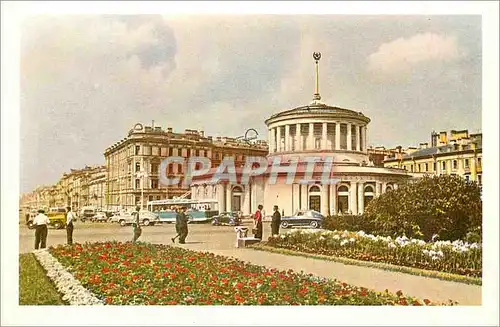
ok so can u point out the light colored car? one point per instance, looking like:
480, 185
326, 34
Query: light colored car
146, 218
99, 217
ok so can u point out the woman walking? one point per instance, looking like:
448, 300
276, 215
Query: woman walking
257, 222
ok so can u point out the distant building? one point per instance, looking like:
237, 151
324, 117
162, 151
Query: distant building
458, 153
144, 148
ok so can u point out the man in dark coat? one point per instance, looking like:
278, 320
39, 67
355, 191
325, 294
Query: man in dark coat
177, 223
136, 224
276, 221
183, 226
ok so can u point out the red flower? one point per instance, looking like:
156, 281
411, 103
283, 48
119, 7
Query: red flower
427, 301
187, 288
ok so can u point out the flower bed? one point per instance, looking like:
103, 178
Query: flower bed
445, 256
126, 273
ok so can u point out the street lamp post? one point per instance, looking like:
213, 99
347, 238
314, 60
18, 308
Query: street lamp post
141, 174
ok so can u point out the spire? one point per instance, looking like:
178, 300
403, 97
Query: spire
316, 96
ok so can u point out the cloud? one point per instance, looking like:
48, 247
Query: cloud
402, 55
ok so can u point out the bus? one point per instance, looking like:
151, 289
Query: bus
198, 210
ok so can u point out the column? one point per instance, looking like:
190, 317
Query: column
228, 197
358, 138
310, 141
384, 187
323, 136
298, 138
221, 201
270, 139
304, 202
337, 135
352, 198
378, 187
361, 198
363, 146
324, 200
246, 201
287, 138
278, 138
349, 137
333, 199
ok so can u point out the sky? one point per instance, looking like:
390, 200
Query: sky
86, 80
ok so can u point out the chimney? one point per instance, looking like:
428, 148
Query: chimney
169, 129
434, 139
202, 133
443, 138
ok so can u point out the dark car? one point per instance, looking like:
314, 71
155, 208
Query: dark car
226, 218
310, 218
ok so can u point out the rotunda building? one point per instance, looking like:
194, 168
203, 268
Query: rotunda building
337, 137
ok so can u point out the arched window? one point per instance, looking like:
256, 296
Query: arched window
343, 199
343, 188
369, 193
389, 188
315, 198
314, 188
137, 167
237, 189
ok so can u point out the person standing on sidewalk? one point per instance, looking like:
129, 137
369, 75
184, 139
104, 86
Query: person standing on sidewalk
41, 222
276, 221
183, 227
136, 224
69, 225
257, 222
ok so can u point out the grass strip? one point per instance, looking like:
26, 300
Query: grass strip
35, 288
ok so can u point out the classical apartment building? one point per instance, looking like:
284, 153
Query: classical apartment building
78, 188
132, 163
458, 153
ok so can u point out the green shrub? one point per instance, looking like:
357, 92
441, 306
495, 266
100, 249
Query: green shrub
447, 206
347, 222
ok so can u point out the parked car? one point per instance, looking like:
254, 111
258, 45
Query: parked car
310, 218
226, 218
57, 217
146, 218
99, 217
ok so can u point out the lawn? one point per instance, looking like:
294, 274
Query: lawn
35, 288
150, 274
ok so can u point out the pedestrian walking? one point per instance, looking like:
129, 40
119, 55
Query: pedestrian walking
183, 227
276, 221
69, 225
41, 222
257, 222
177, 223
136, 224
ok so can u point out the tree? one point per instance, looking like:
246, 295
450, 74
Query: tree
444, 205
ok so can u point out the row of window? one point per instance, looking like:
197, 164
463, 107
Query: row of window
424, 167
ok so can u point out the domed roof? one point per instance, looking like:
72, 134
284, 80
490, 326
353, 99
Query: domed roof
318, 109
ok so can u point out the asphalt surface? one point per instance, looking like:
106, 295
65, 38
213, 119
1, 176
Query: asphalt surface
222, 239
204, 236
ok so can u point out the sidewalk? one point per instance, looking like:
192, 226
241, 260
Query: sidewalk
421, 287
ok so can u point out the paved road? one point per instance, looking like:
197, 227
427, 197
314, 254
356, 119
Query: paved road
221, 240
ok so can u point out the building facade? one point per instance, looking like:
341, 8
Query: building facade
312, 130
78, 188
458, 153
133, 163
